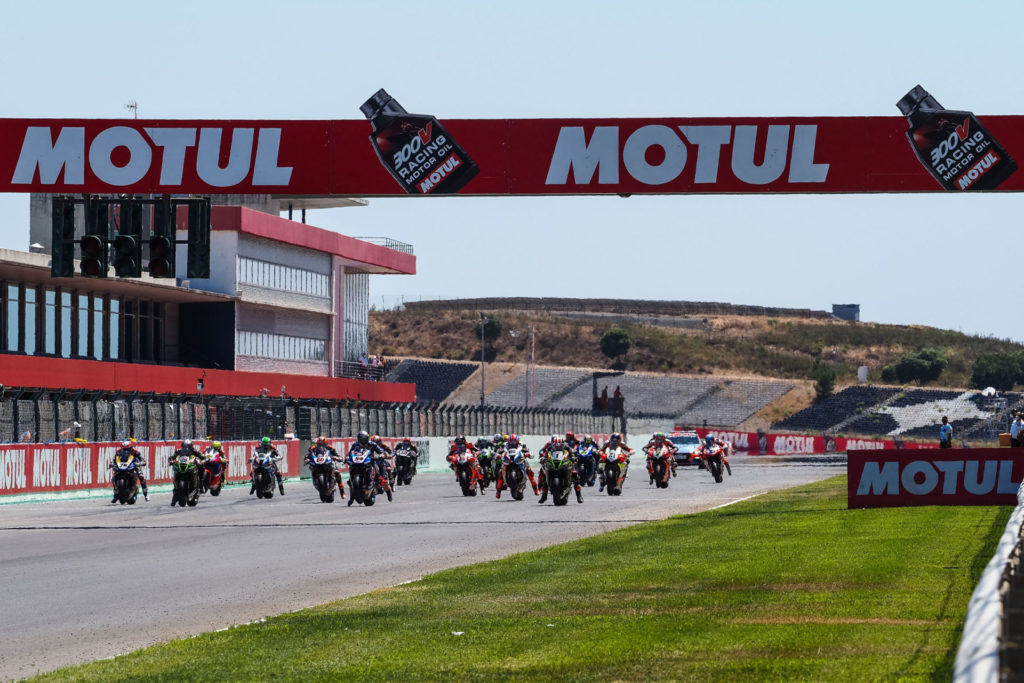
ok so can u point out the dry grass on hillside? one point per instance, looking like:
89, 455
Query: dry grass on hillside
732, 345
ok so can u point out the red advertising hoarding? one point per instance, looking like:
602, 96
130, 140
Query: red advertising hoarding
954, 476
513, 156
759, 443
44, 468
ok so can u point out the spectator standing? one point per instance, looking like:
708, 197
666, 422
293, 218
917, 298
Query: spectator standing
377, 369
617, 405
1015, 429
945, 433
604, 398
364, 365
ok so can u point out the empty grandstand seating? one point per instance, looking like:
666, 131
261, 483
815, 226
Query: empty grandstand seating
835, 409
732, 402
909, 413
697, 400
546, 383
434, 380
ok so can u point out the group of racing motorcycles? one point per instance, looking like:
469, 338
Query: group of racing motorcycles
194, 472
566, 464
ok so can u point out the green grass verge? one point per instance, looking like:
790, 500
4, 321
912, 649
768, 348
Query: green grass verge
787, 586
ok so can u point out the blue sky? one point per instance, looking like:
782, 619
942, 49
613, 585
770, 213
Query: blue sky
941, 260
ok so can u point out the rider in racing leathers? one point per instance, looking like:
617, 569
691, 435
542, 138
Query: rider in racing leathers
267, 447
138, 462
188, 449
657, 441
377, 451
558, 445
615, 440
321, 444
408, 445
512, 443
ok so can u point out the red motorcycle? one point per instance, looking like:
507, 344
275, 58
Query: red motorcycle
714, 461
661, 465
215, 470
614, 463
467, 471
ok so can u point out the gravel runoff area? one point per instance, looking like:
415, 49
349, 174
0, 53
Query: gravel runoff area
87, 579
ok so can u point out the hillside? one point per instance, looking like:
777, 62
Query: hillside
781, 348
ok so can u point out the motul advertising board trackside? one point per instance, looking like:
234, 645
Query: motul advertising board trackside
39, 468
966, 476
397, 153
760, 443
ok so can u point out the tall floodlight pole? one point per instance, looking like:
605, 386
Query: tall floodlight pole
481, 359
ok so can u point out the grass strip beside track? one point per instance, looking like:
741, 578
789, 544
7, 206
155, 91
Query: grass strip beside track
786, 586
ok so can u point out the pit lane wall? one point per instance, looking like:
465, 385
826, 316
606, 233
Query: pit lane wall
52, 468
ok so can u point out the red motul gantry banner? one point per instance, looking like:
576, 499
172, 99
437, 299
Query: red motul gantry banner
40, 468
509, 156
965, 476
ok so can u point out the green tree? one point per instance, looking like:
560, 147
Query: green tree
923, 366
999, 369
615, 342
824, 376
492, 327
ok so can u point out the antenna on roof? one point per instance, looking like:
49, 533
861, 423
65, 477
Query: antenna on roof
134, 107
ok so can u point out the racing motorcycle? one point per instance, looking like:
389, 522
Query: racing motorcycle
661, 468
489, 463
615, 463
558, 469
185, 472
405, 465
467, 471
513, 463
126, 479
586, 464
214, 471
714, 460
362, 476
321, 469
263, 474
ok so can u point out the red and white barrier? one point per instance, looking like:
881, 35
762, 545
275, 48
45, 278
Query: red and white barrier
47, 468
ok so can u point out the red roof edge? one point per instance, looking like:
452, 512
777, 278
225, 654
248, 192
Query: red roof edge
268, 226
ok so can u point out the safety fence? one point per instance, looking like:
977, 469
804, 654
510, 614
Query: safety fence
35, 416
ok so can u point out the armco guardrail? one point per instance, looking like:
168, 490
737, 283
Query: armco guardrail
978, 657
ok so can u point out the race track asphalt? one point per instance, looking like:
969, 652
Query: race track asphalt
86, 579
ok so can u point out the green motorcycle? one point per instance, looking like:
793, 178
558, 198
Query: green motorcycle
185, 471
558, 473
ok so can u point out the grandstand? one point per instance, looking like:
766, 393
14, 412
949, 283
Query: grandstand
434, 380
911, 413
695, 401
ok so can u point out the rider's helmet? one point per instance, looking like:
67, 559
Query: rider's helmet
265, 442
375, 438
570, 436
513, 439
363, 437
126, 444
709, 441
588, 439
496, 438
659, 437
186, 445
481, 442
406, 441
615, 437
215, 445
460, 440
